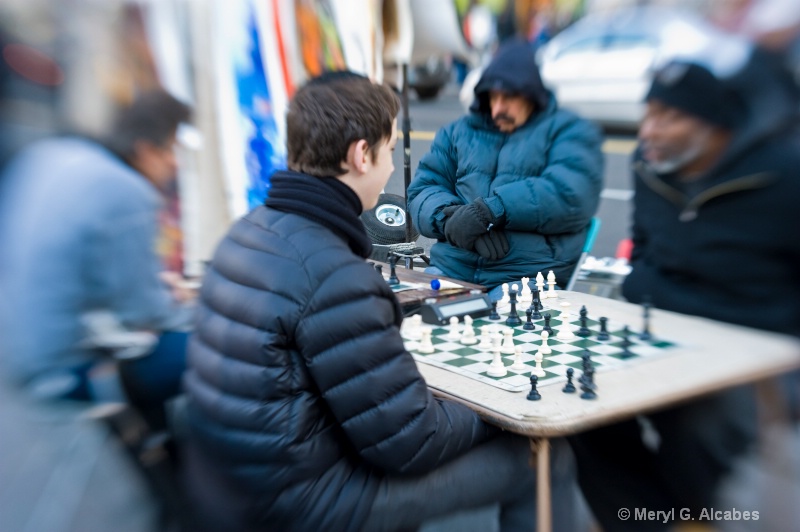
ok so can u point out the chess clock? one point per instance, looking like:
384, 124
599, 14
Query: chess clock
439, 311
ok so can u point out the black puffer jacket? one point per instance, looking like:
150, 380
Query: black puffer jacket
302, 395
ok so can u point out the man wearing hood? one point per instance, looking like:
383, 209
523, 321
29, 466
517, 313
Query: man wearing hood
509, 190
715, 235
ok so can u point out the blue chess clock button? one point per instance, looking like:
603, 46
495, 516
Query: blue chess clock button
435, 284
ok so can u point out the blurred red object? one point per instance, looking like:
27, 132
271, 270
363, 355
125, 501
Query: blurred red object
624, 249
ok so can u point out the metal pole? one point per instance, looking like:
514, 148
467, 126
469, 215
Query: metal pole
406, 150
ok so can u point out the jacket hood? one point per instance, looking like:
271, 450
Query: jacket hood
513, 70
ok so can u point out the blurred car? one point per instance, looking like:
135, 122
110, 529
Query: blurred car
602, 65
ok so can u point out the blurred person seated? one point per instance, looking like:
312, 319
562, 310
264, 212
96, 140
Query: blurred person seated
79, 271
714, 235
305, 410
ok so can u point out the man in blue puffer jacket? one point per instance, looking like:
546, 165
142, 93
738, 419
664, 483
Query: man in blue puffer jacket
509, 190
306, 413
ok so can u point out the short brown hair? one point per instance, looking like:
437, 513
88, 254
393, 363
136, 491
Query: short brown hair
331, 112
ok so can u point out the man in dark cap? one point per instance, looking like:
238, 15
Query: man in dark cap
715, 235
509, 190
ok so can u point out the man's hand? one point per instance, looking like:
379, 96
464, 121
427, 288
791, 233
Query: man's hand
467, 223
493, 245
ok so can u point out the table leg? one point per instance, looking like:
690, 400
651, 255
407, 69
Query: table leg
544, 507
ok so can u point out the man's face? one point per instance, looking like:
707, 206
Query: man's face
380, 172
509, 111
671, 139
157, 163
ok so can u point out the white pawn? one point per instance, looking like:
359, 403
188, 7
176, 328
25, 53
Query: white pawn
497, 368
519, 365
565, 329
412, 327
508, 342
551, 280
454, 333
425, 344
468, 336
538, 370
505, 299
540, 285
486, 338
545, 349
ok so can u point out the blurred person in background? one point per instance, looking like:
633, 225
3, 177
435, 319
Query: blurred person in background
509, 190
78, 229
61, 470
714, 235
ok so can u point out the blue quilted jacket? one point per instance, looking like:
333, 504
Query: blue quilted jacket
544, 178
302, 395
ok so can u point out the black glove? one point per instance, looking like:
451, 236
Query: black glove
493, 245
467, 223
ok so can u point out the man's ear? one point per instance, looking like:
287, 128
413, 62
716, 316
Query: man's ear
358, 156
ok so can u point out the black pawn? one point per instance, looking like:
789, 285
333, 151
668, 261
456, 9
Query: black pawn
529, 326
626, 343
534, 394
603, 334
584, 331
569, 387
588, 368
547, 327
646, 335
393, 270
494, 315
513, 319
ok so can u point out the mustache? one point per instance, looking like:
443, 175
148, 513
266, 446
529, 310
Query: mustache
502, 117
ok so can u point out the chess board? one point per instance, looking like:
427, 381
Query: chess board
472, 361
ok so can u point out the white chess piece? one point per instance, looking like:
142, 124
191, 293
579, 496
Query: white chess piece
551, 280
412, 327
468, 336
496, 368
540, 286
508, 342
538, 370
518, 365
545, 349
454, 333
505, 299
486, 338
565, 329
425, 343
526, 296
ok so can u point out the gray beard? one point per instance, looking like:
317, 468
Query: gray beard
680, 160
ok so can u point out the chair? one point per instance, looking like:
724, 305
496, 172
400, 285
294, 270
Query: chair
591, 236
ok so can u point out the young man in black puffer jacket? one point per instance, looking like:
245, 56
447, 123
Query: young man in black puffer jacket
305, 410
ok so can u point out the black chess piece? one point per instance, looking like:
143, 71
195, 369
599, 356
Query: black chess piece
536, 304
626, 343
494, 315
603, 334
534, 394
379, 269
513, 319
529, 326
588, 392
569, 387
547, 327
646, 334
584, 331
393, 280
